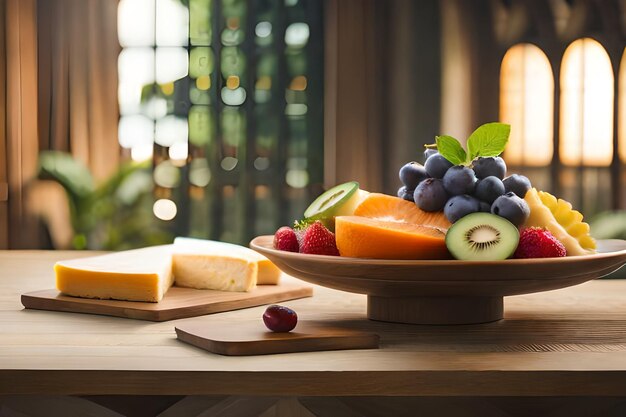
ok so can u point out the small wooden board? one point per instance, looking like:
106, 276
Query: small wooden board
252, 338
178, 303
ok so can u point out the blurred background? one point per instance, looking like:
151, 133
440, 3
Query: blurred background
125, 123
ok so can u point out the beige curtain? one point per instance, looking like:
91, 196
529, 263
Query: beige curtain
78, 51
58, 90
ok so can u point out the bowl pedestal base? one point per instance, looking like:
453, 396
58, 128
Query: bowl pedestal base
435, 310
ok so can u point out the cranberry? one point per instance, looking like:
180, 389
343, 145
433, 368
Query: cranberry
280, 319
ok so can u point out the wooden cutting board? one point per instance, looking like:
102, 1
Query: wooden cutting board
252, 338
178, 303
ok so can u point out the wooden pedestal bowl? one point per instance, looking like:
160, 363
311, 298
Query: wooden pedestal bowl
443, 292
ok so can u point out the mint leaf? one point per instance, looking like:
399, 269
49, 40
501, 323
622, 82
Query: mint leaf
451, 149
488, 140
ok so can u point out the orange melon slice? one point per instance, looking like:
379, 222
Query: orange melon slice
362, 237
393, 209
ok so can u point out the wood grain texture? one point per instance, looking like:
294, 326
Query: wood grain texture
178, 303
254, 339
556, 343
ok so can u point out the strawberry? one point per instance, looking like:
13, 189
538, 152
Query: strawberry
535, 242
285, 239
318, 240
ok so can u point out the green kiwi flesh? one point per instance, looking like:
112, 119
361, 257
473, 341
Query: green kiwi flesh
482, 237
334, 202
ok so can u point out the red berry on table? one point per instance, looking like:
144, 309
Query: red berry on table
280, 319
285, 239
318, 240
535, 242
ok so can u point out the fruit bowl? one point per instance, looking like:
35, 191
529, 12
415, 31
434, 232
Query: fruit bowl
443, 291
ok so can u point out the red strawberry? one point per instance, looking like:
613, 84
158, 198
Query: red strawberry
285, 239
536, 242
318, 240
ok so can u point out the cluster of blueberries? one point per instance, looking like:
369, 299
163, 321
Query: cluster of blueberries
460, 190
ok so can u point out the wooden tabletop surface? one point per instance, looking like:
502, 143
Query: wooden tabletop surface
558, 343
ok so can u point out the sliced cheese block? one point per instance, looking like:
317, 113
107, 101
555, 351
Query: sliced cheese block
135, 275
212, 267
268, 272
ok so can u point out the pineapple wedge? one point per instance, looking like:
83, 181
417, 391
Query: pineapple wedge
557, 216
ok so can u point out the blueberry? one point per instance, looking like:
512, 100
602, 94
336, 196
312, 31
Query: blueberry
430, 152
488, 189
512, 208
459, 180
430, 195
436, 166
518, 184
489, 166
460, 206
412, 174
405, 194
485, 207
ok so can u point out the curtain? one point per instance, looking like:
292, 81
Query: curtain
77, 82
58, 90
20, 152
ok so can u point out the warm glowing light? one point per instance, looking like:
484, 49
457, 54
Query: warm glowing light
263, 83
298, 83
232, 23
203, 82
168, 88
527, 104
142, 152
164, 209
586, 104
232, 82
622, 108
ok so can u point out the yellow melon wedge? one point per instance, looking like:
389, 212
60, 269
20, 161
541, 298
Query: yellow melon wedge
542, 216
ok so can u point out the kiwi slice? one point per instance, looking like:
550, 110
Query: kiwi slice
341, 200
482, 237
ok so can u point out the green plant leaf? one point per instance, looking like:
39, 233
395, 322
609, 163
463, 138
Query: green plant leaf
489, 139
451, 149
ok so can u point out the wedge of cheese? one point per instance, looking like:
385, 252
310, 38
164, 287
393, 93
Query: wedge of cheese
134, 275
210, 266
268, 273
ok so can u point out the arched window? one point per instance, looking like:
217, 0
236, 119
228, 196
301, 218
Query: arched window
586, 114
527, 103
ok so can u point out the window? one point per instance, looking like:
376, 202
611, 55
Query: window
225, 98
586, 124
527, 103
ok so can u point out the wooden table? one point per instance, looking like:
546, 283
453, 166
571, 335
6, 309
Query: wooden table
564, 343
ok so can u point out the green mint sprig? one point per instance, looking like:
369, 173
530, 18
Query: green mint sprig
489, 139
